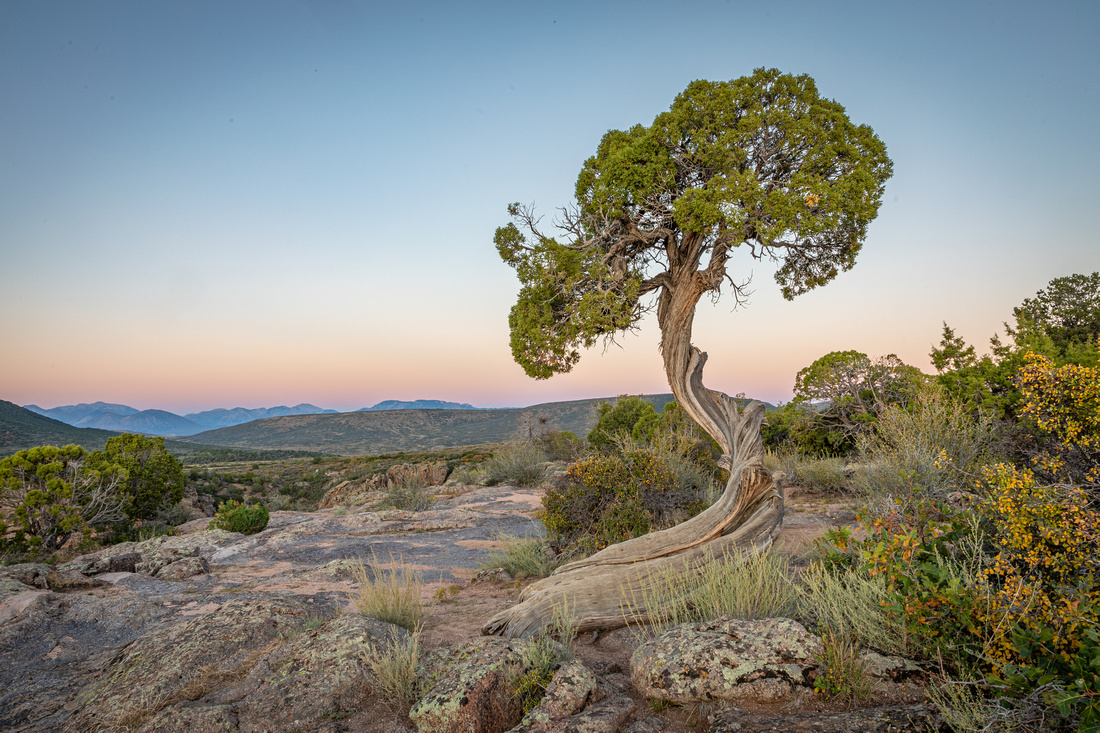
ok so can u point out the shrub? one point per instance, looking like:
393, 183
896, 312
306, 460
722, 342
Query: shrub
629, 415
390, 595
1005, 588
561, 445
929, 450
234, 516
522, 464
608, 498
411, 494
820, 475
47, 494
1063, 404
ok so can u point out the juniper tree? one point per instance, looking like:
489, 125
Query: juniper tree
762, 163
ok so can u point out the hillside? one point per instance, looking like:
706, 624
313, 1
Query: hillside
21, 428
371, 432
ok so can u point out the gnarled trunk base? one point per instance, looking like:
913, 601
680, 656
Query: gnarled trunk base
607, 589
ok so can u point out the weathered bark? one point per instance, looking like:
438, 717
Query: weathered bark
607, 589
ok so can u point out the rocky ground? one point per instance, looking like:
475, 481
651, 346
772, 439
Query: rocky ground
214, 631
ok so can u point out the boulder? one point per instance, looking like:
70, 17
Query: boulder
471, 688
296, 685
726, 659
188, 659
605, 716
183, 569
891, 669
32, 574
570, 689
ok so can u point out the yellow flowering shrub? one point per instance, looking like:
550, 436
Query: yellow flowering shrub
1043, 574
1064, 404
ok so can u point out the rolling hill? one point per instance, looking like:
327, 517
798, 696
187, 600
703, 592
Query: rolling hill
21, 428
383, 431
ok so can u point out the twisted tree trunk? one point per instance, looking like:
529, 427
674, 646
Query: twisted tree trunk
607, 589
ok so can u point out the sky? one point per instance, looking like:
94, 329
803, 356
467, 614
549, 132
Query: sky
219, 204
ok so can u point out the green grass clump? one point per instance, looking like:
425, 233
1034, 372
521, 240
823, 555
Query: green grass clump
390, 595
738, 586
841, 675
524, 557
522, 464
753, 586
234, 516
541, 657
851, 604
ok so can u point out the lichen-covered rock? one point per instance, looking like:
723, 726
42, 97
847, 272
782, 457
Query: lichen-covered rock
891, 669
193, 719
605, 716
471, 688
32, 574
725, 659
570, 689
63, 580
492, 575
296, 685
151, 555
183, 569
190, 658
919, 718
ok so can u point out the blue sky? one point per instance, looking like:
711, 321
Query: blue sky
211, 204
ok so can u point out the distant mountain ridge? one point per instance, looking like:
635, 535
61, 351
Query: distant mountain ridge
419, 405
126, 419
223, 418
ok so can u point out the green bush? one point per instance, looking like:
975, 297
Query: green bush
561, 445
629, 415
154, 477
234, 516
522, 464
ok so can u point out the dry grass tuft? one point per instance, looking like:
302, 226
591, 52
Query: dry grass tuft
390, 595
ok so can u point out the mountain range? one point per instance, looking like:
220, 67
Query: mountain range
123, 418
364, 432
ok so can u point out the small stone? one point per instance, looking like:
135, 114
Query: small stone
495, 575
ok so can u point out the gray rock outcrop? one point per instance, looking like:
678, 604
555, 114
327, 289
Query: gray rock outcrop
726, 659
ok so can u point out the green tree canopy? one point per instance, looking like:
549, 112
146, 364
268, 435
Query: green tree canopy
761, 162
1062, 323
155, 477
48, 493
1067, 310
